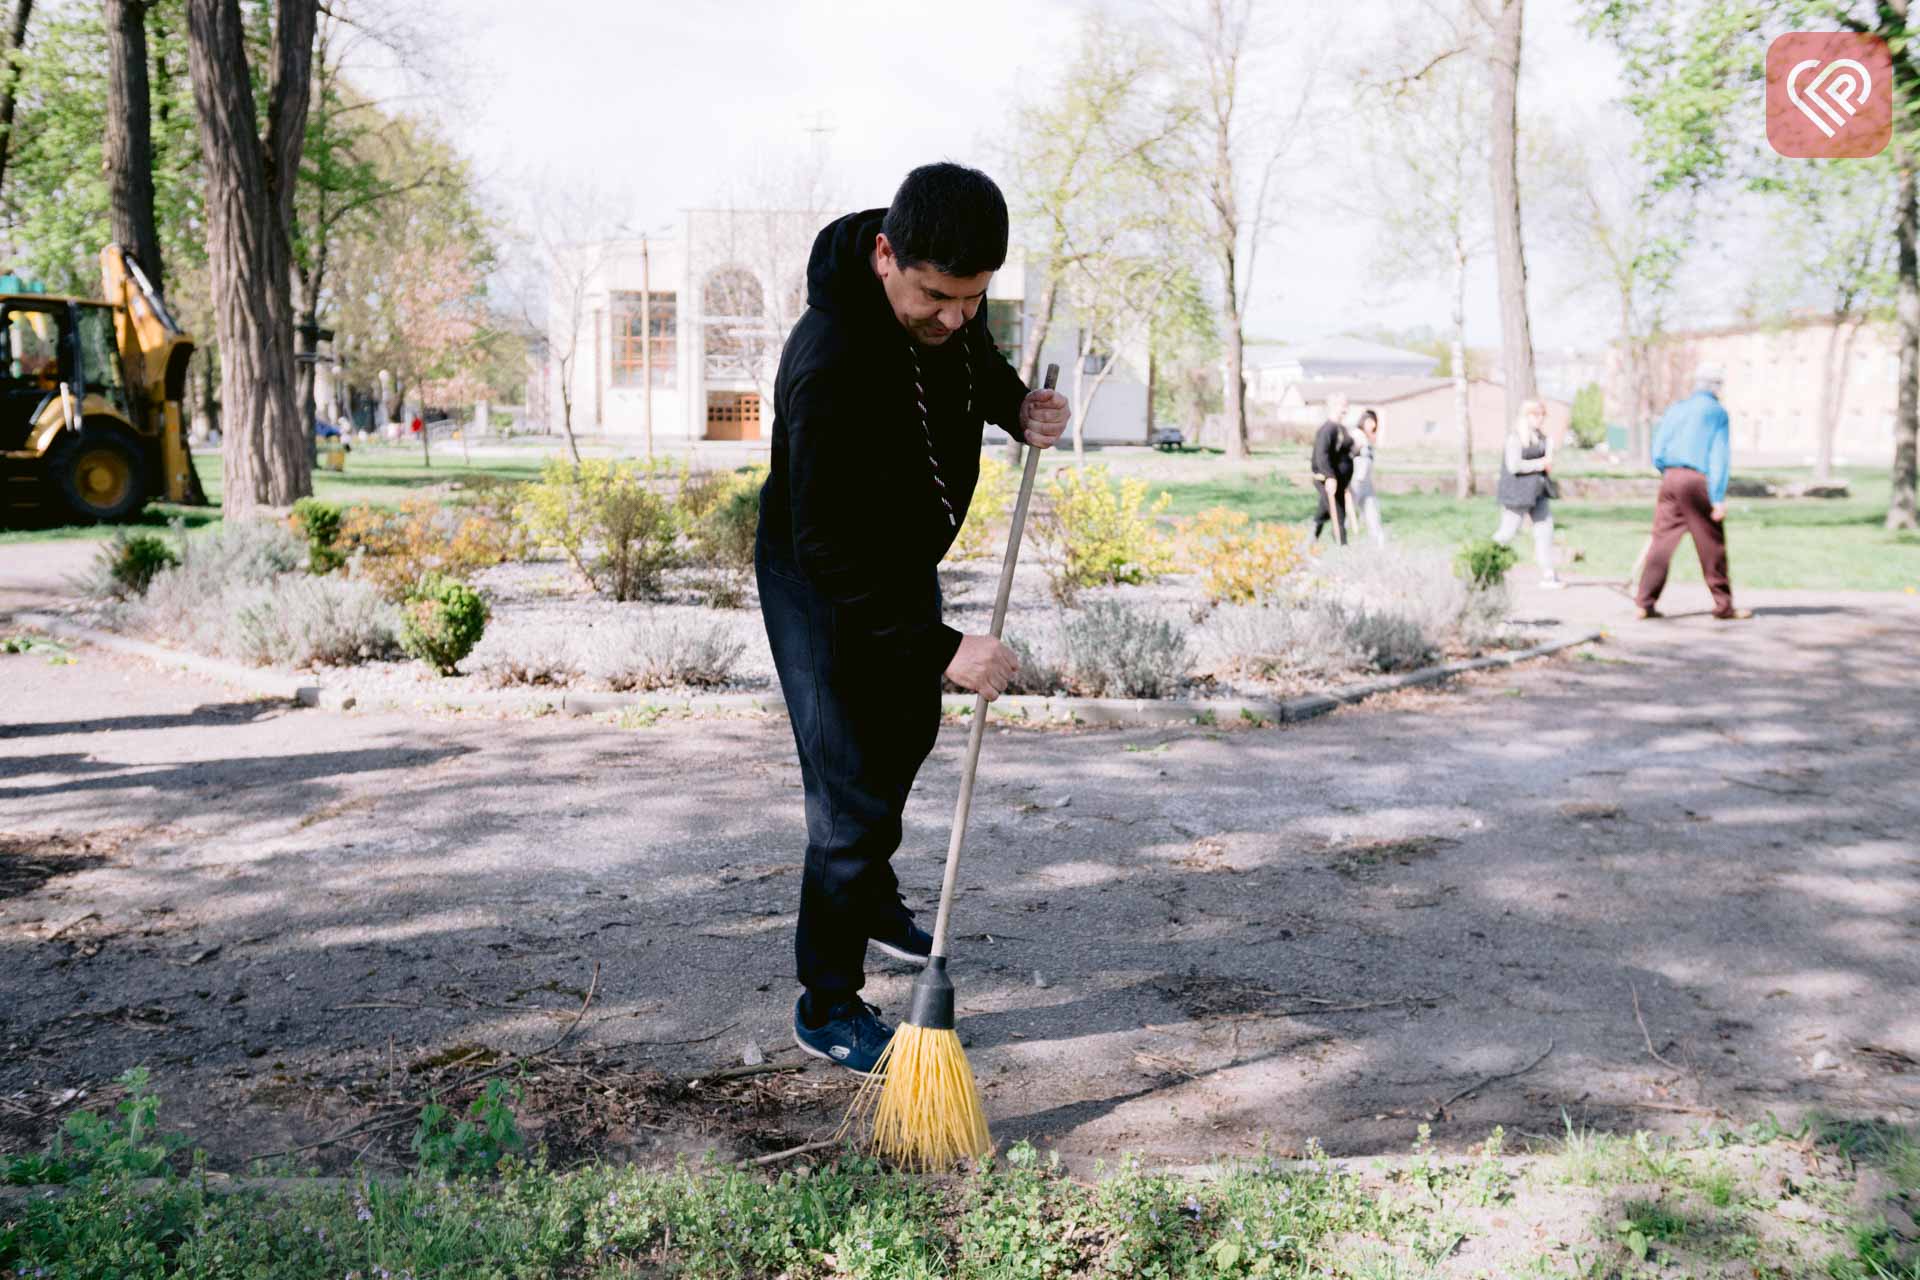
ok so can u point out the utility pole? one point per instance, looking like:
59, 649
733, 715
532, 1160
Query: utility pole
646, 343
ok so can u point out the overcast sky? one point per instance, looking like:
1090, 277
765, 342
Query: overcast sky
667, 105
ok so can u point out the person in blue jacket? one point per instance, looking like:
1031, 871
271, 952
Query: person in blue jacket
1691, 450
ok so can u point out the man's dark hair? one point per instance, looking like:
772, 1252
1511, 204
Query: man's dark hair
948, 217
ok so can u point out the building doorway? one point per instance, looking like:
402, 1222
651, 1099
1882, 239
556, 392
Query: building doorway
733, 415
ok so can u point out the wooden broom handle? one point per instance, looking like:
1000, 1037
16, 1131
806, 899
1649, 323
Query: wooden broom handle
979, 726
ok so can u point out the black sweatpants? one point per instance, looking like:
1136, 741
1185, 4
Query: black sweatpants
863, 727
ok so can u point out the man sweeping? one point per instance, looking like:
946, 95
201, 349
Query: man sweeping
878, 411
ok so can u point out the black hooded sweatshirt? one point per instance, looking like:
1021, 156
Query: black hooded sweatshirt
851, 506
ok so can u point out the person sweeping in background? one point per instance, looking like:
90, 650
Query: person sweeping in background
878, 409
1332, 469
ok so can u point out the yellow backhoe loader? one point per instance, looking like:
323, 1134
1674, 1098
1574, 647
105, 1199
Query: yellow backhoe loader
90, 398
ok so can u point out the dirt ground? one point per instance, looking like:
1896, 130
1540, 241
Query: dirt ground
1668, 877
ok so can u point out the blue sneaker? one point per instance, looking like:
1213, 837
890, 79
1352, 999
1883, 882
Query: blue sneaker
901, 938
852, 1036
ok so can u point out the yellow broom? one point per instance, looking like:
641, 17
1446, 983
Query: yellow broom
921, 1099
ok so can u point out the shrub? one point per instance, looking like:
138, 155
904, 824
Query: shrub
1238, 561
191, 604
300, 620
1484, 562
498, 501
661, 651
1099, 534
992, 502
1040, 670
1111, 650
721, 512
1368, 609
319, 523
395, 549
442, 620
126, 565
616, 532
658, 650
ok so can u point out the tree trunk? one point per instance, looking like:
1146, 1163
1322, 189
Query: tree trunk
10, 79
128, 144
1032, 342
1901, 513
566, 410
249, 192
1503, 68
1833, 380
1464, 484
1236, 388
1080, 401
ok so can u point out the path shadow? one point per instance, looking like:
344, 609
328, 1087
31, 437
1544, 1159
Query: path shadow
206, 715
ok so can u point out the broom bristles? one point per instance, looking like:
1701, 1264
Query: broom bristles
922, 1102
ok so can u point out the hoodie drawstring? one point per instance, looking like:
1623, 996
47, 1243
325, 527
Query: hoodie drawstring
926, 425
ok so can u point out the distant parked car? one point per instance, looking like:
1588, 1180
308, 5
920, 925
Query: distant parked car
1167, 439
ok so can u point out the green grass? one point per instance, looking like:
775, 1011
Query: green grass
1806, 544
479, 1209
377, 474
1809, 544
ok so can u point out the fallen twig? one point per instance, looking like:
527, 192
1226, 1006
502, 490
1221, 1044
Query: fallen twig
1505, 1075
654, 1044
738, 1073
82, 918
1644, 1034
800, 1150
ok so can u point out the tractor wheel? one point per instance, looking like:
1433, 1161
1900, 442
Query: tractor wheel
99, 474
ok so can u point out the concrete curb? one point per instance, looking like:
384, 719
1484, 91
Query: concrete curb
274, 684
1012, 709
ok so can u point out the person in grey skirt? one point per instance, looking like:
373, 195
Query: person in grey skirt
1526, 488
1361, 498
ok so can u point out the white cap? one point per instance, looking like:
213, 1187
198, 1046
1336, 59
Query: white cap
1710, 376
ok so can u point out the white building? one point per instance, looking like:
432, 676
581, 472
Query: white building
1271, 367
702, 315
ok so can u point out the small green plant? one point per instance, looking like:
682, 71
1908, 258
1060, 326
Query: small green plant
1484, 563
127, 563
441, 621
1491, 1183
125, 1142
475, 1142
57, 653
319, 523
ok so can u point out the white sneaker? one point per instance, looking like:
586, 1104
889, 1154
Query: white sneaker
1552, 583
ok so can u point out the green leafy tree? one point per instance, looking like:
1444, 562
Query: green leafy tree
1588, 422
1695, 74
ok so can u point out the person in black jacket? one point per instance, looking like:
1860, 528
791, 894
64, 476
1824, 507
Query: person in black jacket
878, 410
1332, 469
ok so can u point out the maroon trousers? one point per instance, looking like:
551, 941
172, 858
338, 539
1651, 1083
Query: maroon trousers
1684, 508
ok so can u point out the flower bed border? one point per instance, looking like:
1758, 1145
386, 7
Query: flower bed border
1011, 709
